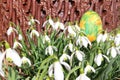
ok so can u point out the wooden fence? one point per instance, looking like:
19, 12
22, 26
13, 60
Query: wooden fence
18, 11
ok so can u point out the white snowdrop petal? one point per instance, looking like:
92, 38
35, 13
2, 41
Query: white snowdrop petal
46, 51
34, 32
50, 50
66, 65
50, 70
58, 69
71, 58
106, 58
9, 31
104, 37
88, 68
82, 77
47, 38
45, 23
62, 26
16, 58
2, 55
64, 57
24, 59
20, 37
37, 21
70, 47
13, 55
16, 44
79, 56
57, 24
113, 52
85, 43
77, 28
98, 59
92, 69
99, 37
108, 51
71, 31
55, 48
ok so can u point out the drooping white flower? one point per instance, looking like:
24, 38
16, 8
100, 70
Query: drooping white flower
34, 32
20, 37
64, 57
12, 55
79, 54
46, 39
69, 46
99, 58
2, 55
102, 37
9, 31
16, 44
89, 68
71, 32
83, 41
60, 25
113, 51
117, 39
26, 60
77, 28
51, 22
32, 21
82, 77
50, 70
50, 49
62, 61
56, 70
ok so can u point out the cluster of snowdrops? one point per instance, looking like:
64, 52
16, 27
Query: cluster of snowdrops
59, 52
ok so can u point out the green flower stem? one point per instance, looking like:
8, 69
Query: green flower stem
44, 66
72, 71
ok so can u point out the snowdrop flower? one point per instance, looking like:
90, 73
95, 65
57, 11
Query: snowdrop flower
117, 39
50, 49
51, 22
46, 39
69, 46
16, 44
82, 77
26, 60
102, 37
83, 41
59, 25
79, 55
89, 68
71, 31
57, 69
99, 58
20, 37
12, 55
77, 28
64, 57
10, 30
32, 21
113, 51
2, 55
34, 32
62, 61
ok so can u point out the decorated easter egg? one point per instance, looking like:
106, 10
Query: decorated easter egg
91, 24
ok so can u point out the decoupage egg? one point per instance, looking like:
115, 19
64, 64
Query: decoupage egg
91, 24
